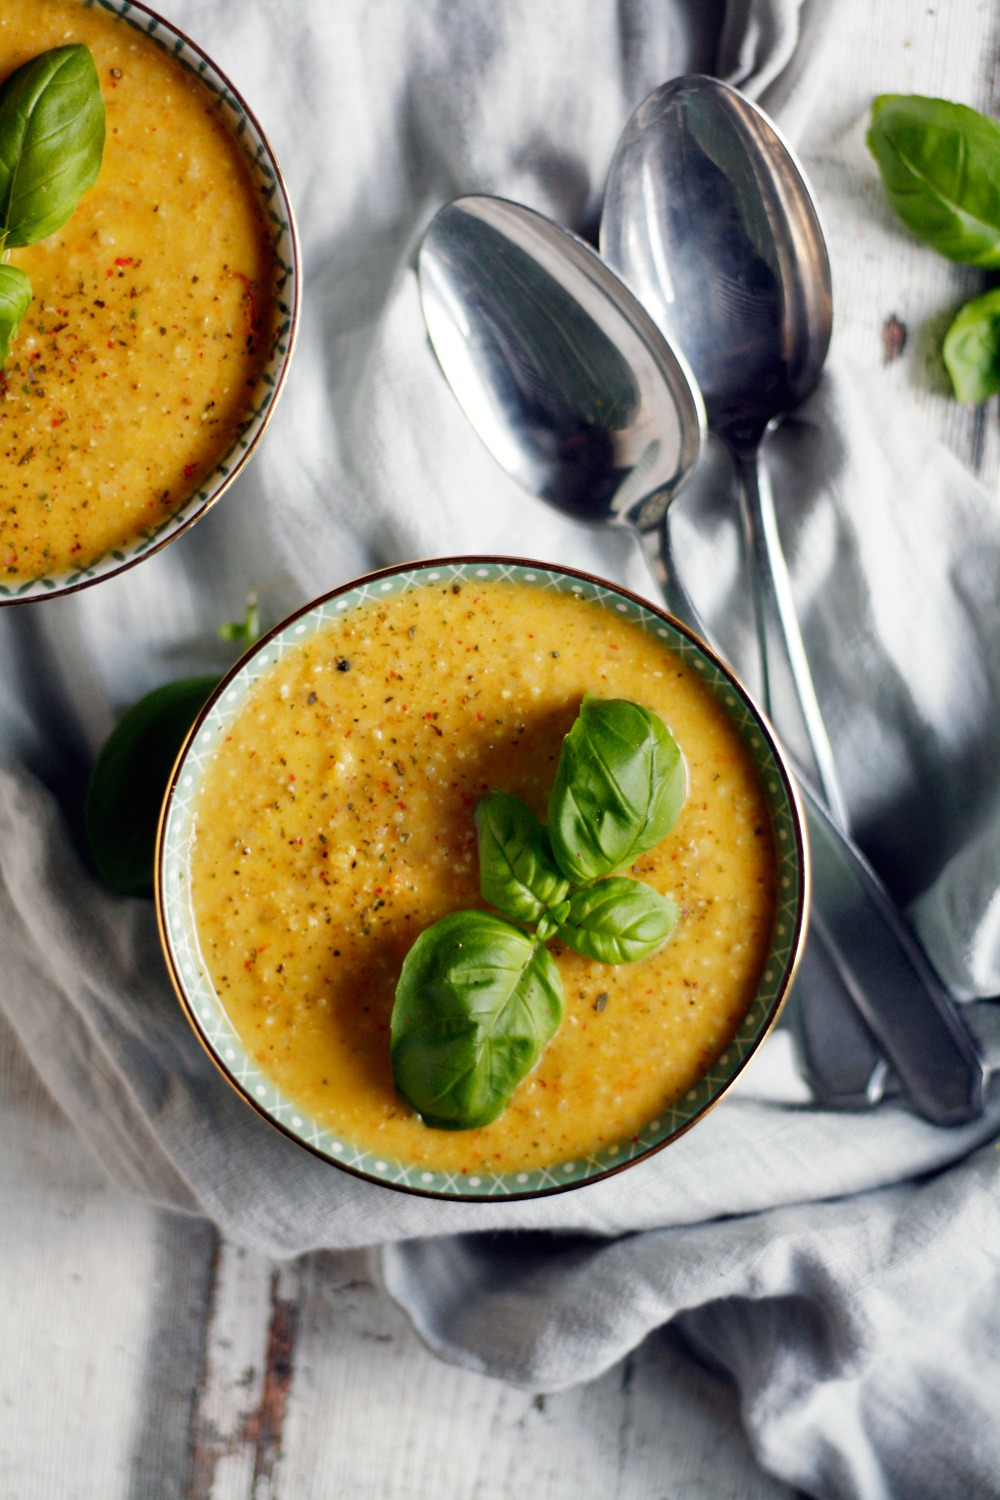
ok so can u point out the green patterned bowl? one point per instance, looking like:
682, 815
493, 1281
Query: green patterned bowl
266, 175
206, 1012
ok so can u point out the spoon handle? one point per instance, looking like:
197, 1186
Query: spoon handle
779, 636
839, 1053
865, 943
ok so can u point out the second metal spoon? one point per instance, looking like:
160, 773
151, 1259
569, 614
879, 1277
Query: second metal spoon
709, 220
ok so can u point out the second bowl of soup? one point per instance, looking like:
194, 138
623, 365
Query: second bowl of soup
162, 315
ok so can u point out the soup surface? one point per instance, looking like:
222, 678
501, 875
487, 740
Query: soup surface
335, 822
152, 313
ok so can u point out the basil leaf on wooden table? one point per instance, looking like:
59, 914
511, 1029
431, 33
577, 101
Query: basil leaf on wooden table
617, 921
51, 142
476, 1002
940, 163
15, 298
971, 349
517, 873
130, 778
618, 789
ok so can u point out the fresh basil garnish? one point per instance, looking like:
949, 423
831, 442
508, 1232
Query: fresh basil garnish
15, 298
940, 163
51, 142
129, 779
51, 145
618, 789
478, 998
517, 873
476, 1002
617, 921
971, 349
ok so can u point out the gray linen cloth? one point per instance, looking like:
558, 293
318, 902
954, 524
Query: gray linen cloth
841, 1268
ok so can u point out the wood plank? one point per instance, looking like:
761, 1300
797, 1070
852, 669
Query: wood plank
163, 1454
238, 1421
76, 1266
372, 1413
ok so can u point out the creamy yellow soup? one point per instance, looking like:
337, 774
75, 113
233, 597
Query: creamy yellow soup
152, 313
335, 822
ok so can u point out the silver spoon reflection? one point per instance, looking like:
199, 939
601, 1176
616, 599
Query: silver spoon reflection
708, 219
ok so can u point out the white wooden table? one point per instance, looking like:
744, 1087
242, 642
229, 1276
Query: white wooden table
143, 1357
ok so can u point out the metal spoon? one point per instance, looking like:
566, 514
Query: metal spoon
576, 393
566, 380
708, 218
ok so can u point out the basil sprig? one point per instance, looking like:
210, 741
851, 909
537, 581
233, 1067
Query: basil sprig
940, 164
518, 873
15, 299
478, 998
129, 779
477, 1001
971, 349
618, 788
617, 921
52, 129
126, 787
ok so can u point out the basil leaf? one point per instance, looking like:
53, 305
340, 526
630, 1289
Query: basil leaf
971, 349
940, 163
618, 789
15, 298
51, 142
476, 1002
517, 873
130, 778
618, 921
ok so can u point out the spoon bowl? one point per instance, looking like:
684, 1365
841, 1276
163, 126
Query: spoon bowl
709, 219
561, 372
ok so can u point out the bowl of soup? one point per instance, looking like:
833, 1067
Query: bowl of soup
323, 815
163, 311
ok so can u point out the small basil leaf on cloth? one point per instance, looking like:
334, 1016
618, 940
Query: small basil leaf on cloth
129, 781
476, 1002
618, 789
15, 298
618, 921
971, 349
940, 163
52, 129
517, 873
